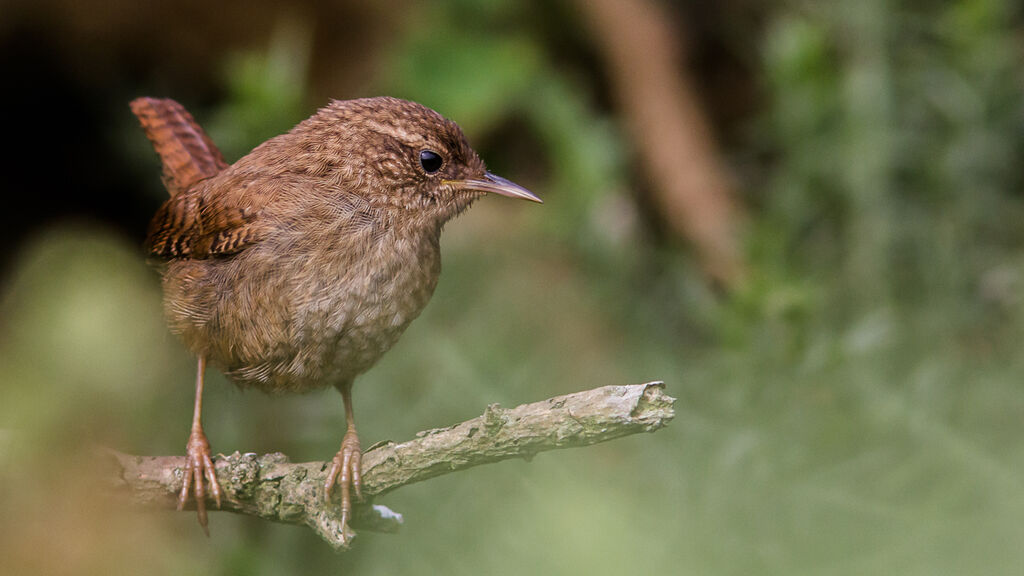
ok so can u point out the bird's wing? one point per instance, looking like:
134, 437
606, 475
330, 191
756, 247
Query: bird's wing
188, 155
202, 223
199, 220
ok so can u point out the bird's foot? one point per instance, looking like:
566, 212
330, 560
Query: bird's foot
198, 470
346, 470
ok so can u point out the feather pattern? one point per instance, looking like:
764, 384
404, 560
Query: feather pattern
187, 153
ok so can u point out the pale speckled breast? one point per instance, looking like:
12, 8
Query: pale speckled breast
312, 319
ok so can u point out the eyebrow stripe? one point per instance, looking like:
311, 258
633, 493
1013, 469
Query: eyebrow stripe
410, 138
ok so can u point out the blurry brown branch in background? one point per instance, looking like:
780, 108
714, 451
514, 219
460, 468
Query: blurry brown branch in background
691, 188
272, 488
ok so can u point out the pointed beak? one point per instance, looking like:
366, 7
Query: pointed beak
491, 183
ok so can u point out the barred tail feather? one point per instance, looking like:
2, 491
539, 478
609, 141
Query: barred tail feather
186, 151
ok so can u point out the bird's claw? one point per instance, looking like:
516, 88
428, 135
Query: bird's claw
199, 469
346, 470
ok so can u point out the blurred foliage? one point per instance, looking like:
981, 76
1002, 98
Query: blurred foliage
265, 91
487, 67
855, 408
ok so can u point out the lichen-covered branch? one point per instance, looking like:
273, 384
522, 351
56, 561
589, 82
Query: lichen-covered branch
272, 488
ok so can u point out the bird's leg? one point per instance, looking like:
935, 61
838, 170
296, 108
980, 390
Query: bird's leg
198, 463
346, 467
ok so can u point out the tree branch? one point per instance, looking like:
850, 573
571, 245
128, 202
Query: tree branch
272, 488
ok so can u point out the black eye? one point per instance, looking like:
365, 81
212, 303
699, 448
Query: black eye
431, 161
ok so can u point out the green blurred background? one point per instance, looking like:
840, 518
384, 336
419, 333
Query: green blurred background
850, 390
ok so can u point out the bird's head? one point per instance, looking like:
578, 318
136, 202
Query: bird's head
399, 155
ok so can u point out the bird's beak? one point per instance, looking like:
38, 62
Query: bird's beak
498, 185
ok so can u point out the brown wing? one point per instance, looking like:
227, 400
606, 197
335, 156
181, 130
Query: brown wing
197, 224
187, 153
197, 221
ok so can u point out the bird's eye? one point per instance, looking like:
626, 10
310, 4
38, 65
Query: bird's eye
431, 161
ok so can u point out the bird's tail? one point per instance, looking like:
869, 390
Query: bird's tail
187, 153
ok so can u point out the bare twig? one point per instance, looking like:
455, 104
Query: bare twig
272, 488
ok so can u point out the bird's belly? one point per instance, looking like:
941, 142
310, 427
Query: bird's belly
299, 332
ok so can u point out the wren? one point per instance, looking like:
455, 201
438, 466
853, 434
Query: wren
299, 265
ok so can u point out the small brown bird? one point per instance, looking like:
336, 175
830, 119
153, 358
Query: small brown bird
298, 266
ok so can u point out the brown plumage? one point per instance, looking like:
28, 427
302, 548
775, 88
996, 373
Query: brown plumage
298, 266
186, 152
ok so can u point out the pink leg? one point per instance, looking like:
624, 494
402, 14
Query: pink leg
346, 467
199, 464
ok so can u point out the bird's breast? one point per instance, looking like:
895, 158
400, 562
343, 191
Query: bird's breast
352, 323
321, 317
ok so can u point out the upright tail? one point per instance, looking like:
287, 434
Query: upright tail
186, 151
